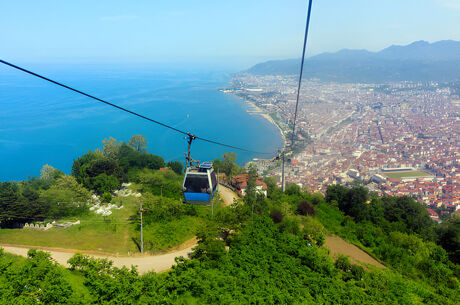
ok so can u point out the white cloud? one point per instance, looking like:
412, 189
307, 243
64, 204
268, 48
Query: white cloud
452, 4
118, 18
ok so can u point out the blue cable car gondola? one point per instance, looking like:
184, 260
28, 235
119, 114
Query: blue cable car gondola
200, 181
200, 184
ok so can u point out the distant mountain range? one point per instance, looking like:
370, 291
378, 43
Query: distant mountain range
418, 61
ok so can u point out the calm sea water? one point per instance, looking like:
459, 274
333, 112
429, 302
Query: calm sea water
41, 123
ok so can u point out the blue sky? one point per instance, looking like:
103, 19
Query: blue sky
233, 31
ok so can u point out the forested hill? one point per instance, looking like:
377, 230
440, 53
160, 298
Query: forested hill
418, 61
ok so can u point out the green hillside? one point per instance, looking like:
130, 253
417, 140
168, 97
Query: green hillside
261, 250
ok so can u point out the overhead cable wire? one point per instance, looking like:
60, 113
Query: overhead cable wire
129, 111
301, 71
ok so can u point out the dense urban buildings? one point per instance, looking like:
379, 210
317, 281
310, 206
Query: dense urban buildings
396, 138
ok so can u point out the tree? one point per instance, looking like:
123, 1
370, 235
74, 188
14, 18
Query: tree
335, 192
251, 189
138, 142
209, 246
227, 165
293, 189
65, 198
276, 216
410, 213
449, 239
176, 166
9, 196
111, 148
354, 203
105, 183
104, 166
304, 208
130, 158
79, 166
50, 173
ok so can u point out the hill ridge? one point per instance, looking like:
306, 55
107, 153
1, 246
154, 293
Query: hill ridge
418, 61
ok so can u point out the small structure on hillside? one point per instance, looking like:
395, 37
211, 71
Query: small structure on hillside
240, 182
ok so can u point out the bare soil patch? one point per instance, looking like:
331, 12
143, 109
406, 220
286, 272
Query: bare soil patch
357, 256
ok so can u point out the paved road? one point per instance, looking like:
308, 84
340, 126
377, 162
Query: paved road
157, 263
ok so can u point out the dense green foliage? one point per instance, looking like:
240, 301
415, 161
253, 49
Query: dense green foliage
40, 198
54, 195
36, 280
104, 171
263, 265
402, 214
449, 238
261, 250
227, 165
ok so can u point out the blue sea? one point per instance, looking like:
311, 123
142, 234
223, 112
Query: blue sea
41, 123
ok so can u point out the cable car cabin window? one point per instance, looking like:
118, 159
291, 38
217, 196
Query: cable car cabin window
213, 180
196, 183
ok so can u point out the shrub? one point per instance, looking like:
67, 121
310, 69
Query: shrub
357, 271
313, 231
304, 208
290, 225
276, 216
106, 197
343, 263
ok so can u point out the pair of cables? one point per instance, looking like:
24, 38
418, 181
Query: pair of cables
189, 135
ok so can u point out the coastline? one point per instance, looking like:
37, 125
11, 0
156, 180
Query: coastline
265, 115
259, 111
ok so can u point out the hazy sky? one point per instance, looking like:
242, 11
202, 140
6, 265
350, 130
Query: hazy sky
237, 31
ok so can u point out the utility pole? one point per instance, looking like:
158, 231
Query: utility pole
282, 174
142, 236
217, 191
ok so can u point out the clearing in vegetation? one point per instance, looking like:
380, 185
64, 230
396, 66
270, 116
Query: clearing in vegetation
339, 246
117, 233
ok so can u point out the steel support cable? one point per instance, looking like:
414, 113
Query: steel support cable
129, 111
301, 71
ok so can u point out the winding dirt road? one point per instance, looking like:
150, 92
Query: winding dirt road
227, 195
163, 262
144, 263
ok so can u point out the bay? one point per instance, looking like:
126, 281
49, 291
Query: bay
41, 123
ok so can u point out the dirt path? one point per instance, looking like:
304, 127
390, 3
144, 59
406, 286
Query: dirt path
227, 195
144, 263
339, 246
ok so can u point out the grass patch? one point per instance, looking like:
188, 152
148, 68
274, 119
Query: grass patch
116, 234
406, 174
94, 233
164, 235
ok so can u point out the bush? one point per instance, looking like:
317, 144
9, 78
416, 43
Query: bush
313, 231
304, 208
290, 225
343, 263
357, 272
176, 166
106, 197
276, 216
103, 183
